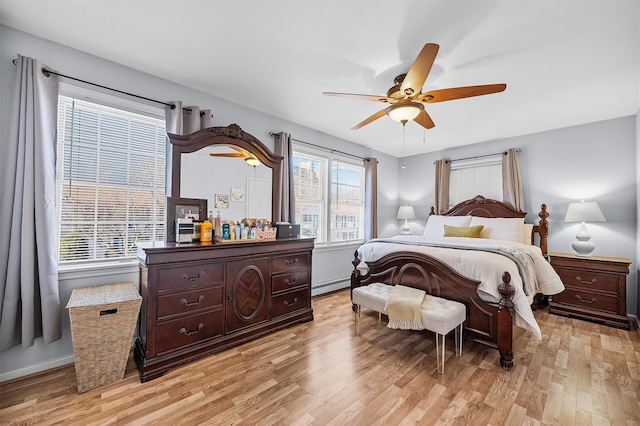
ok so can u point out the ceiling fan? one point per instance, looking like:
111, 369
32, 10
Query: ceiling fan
406, 97
249, 158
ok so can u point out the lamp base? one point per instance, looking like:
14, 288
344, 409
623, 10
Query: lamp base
583, 247
405, 228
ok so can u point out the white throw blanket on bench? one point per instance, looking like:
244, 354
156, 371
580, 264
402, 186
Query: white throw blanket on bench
404, 307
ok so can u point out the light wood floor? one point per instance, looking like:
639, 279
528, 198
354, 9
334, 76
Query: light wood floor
318, 373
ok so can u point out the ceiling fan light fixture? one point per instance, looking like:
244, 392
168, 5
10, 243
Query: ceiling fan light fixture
405, 111
252, 161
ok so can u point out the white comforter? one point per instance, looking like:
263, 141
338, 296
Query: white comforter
483, 266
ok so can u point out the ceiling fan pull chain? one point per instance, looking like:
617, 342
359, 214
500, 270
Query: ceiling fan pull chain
404, 129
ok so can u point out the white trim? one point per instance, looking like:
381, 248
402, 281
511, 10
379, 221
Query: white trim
329, 286
36, 368
89, 270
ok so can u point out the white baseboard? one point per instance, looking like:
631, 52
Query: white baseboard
329, 286
36, 368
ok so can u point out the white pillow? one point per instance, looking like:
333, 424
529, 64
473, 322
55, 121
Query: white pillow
497, 228
527, 231
435, 224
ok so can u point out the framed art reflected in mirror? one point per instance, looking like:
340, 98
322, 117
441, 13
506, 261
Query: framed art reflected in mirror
183, 208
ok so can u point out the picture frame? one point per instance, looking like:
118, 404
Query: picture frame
194, 208
222, 201
237, 194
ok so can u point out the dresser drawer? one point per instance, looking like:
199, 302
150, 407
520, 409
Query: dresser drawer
290, 262
189, 276
189, 330
588, 280
587, 300
290, 302
188, 302
290, 281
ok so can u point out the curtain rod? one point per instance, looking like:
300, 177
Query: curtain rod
47, 72
482, 156
322, 147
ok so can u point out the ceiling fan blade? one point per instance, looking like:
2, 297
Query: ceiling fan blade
424, 120
237, 148
374, 98
228, 155
374, 117
460, 92
417, 75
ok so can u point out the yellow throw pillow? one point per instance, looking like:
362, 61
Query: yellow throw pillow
463, 231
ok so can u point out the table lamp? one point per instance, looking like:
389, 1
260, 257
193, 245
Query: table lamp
406, 213
584, 211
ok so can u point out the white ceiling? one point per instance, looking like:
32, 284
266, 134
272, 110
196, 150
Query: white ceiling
565, 62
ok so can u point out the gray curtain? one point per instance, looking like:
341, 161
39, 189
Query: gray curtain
30, 300
283, 147
511, 181
443, 172
182, 121
370, 198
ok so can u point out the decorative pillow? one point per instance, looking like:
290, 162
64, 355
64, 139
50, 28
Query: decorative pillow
435, 224
506, 229
527, 234
463, 231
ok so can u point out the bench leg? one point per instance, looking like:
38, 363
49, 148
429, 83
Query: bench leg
458, 335
440, 352
356, 313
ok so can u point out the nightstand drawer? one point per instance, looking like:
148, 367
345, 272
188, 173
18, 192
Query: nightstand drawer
588, 280
587, 300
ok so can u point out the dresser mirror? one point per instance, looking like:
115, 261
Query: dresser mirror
237, 187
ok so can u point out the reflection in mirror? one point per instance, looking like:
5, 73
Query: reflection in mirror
205, 176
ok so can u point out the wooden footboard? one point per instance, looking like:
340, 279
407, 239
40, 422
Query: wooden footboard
487, 323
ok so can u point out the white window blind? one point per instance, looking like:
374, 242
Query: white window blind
479, 176
110, 180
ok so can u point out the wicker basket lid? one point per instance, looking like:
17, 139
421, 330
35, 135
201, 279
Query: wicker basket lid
103, 295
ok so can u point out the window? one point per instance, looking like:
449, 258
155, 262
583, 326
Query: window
110, 176
330, 188
479, 176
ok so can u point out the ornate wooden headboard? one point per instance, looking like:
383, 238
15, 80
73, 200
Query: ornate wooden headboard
486, 207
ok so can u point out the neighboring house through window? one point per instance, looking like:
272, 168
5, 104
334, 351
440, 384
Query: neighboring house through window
329, 197
110, 175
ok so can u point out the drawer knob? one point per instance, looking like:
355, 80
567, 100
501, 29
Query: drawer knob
581, 281
291, 262
197, 277
287, 282
191, 333
584, 300
290, 304
197, 302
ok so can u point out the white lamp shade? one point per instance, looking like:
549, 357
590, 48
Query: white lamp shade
584, 211
406, 212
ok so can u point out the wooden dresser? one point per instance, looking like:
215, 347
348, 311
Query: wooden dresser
595, 288
200, 299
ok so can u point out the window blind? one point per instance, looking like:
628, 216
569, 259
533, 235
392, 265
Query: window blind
110, 180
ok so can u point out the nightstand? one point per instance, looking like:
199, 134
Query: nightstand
595, 288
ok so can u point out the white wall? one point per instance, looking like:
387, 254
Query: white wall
331, 267
595, 161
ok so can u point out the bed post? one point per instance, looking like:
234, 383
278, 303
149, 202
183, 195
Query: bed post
355, 277
543, 230
505, 322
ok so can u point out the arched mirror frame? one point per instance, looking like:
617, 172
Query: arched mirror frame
230, 135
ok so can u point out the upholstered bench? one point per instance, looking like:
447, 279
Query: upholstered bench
438, 315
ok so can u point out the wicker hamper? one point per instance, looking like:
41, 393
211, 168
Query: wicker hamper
103, 320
